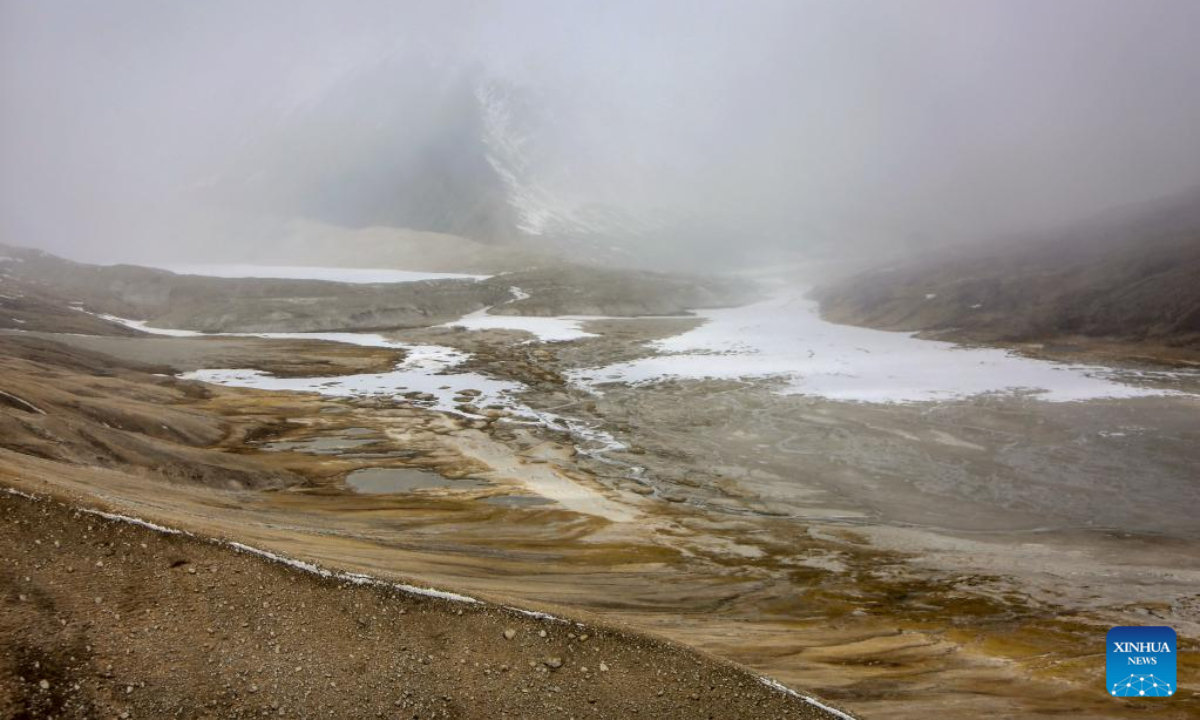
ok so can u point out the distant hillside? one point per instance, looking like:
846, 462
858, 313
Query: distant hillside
211, 304
1129, 278
39, 291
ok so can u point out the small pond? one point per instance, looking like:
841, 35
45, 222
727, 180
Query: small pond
380, 481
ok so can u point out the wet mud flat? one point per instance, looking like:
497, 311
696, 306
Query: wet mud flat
391, 481
901, 560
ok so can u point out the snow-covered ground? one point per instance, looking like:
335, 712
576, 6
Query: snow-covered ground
546, 329
302, 272
785, 337
425, 369
418, 373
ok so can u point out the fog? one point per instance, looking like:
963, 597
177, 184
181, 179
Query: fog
711, 131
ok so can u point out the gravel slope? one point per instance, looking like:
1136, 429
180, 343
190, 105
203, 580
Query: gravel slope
105, 618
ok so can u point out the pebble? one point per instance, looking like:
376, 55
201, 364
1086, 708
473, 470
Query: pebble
509, 634
554, 662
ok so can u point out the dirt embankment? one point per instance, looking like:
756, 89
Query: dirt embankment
104, 618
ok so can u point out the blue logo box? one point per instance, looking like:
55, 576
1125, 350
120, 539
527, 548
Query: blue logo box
1141, 662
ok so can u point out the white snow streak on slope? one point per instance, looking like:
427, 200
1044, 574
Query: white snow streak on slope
547, 329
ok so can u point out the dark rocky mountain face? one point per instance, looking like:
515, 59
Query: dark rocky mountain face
451, 151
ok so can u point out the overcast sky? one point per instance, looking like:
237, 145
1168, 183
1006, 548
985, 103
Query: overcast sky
836, 122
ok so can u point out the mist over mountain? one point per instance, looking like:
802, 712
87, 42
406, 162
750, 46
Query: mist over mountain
1126, 281
485, 358
368, 159
685, 135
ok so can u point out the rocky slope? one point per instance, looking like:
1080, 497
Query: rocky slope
1131, 278
210, 304
105, 618
249, 305
576, 290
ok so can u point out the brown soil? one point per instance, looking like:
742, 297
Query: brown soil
743, 548
104, 618
285, 358
80, 407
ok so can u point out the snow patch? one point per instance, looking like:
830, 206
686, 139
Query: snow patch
536, 614
414, 375
135, 521
141, 325
356, 578
776, 685
786, 338
330, 274
546, 329
425, 369
23, 403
